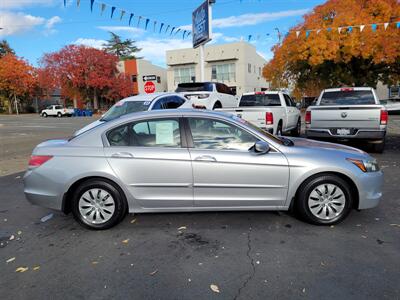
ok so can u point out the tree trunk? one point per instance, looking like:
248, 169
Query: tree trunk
16, 104
75, 102
95, 101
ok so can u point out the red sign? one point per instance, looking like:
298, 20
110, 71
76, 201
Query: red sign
149, 87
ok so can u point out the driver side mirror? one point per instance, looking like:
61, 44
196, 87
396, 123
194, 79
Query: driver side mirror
261, 147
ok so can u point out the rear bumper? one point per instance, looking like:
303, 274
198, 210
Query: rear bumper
370, 187
360, 134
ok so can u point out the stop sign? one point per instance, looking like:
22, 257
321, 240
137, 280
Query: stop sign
149, 87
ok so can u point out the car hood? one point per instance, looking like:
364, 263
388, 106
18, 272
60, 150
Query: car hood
312, 144
88, 127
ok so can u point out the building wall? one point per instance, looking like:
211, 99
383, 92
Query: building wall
237, 55
137, 68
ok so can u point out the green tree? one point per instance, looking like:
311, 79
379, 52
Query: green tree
5, 48
124, 49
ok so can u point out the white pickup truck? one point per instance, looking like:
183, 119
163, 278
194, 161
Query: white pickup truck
57, 111
272, 111
348, 114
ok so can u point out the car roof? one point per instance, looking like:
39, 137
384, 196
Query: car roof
353, 88
150, 97
263, 92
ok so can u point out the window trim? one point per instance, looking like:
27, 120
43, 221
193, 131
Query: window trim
189, 135
184, 143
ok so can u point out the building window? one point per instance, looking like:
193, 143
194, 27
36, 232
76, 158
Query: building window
184, 74
249, 68
134, 78
158, 79
223, 72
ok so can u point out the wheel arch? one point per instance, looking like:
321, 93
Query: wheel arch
347, 179
67, 197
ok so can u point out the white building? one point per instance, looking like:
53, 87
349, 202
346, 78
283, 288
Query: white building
238, 65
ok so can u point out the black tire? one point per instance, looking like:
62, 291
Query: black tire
301, 202
380, 147
297, 131
121, 206
217, 105
59, 115
44, 115
279, 129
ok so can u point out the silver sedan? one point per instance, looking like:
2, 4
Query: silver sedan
187, 160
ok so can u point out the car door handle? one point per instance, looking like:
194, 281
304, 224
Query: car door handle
122, 155
206, 158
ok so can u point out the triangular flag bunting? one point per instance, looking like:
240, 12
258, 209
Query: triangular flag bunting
249, 38
78, 2
65, 3
161, 26
386, 25
154, 26
362, 27
112, 11
339, 29
138, 22
297, 33
166, 30
147, 23
373, 27
91, 5
318, 31
103, 7
122, 15
349, 29
398, 24
130, 19
307, 33
172, 30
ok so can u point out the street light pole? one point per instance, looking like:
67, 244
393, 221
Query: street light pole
201, 48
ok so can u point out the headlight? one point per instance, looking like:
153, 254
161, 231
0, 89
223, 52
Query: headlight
368, 165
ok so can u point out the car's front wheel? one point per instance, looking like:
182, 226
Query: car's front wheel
324, 200
98, 204
44, 115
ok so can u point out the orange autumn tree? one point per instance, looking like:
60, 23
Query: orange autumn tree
17, 79
329, 58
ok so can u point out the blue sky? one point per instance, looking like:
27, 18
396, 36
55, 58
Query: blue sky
34, 27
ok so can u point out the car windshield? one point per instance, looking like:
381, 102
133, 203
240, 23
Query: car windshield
260, 100
350, 97
278, 140
125, 107
195, 87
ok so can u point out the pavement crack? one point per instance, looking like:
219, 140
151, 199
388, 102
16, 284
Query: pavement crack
253, 267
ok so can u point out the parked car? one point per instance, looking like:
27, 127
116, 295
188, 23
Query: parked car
143, 102
57, 111
348, 114
392, 105
272, 111
196, 160
208, 95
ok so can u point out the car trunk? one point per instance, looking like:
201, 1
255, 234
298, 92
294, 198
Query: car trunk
342, 116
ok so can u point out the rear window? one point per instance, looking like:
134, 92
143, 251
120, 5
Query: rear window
260, 100
125, 107
347, 98
195, 87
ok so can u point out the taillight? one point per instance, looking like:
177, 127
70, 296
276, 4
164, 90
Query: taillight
38, 160
269, 118
384, 117
346, 89
308, 117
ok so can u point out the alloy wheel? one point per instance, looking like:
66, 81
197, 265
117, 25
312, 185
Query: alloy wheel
326, 201
96, 206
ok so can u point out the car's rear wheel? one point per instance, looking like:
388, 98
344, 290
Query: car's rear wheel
379, 147
297, 131
44, 115
279, 129
217, 105
59, 115
324, 200
98, 204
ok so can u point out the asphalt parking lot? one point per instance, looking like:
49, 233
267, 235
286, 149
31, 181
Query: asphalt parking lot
244, 255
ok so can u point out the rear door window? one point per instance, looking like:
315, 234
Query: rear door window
350, 97
260, 100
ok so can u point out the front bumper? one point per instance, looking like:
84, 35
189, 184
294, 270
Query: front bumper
370, 187
358, 134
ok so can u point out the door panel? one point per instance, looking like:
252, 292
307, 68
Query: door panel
228, 173
147, 157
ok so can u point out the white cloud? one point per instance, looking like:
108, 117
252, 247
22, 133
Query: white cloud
154, 50
52, 21
18, 4
134, 31
17, 23
252, 19
98, 44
